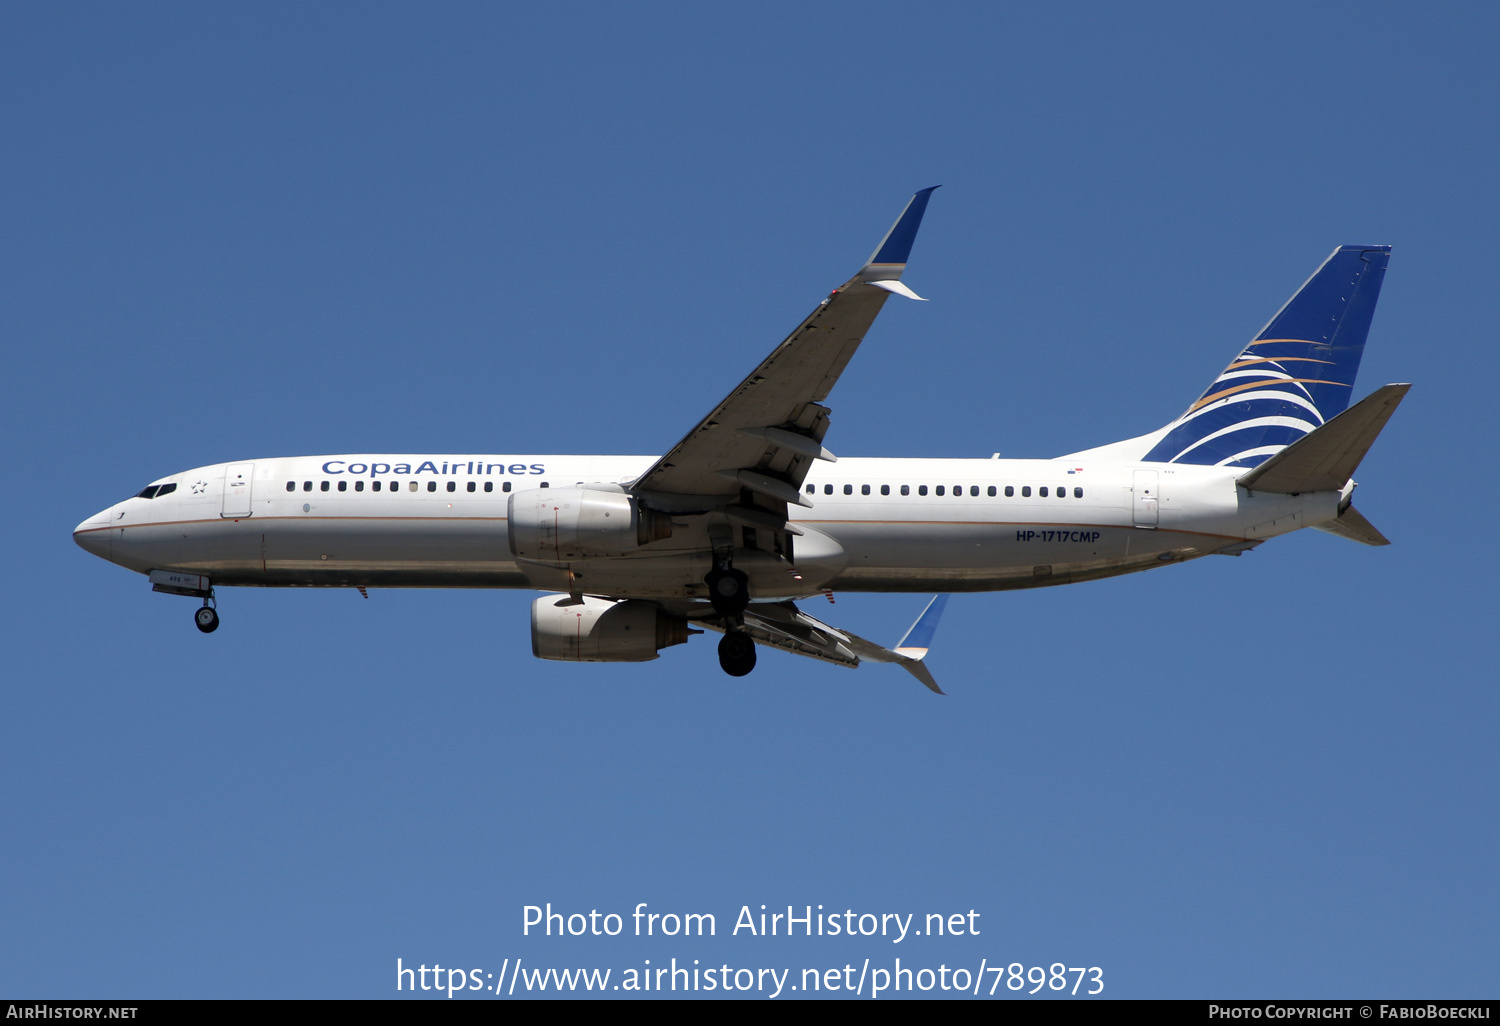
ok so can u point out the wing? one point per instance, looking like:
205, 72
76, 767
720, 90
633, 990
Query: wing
782, 625
766, 433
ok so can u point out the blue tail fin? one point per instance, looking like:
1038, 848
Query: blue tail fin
1297, 374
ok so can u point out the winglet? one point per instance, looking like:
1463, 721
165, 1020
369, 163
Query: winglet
919, 639
919, 670
914, 647
889, 258
896, 287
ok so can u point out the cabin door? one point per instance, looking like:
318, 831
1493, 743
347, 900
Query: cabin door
237, 484
1144, 498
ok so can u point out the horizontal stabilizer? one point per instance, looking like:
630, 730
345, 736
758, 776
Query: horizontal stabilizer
1352, 525
1325, 459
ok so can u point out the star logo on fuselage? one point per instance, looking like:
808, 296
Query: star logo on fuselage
200, 487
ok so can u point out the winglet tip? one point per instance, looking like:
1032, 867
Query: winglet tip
896, 246
921, 633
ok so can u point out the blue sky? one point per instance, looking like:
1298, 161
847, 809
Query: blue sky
272, 230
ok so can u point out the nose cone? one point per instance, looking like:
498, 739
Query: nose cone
93, 535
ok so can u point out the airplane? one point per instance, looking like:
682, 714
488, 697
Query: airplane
749, 513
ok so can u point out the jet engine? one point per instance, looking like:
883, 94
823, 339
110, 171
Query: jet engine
556, 525
601, 631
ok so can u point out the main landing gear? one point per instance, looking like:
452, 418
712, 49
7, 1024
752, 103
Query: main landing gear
207, 617
737, 653
729, 592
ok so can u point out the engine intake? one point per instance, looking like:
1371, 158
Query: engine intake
601, 631
556, 525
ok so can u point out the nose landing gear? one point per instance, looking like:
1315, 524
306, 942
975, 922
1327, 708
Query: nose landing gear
207, 617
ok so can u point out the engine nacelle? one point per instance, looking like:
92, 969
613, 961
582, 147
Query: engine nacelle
557, 525
601, 631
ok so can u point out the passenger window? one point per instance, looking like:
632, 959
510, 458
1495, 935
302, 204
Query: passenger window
864, 489
374, 486
343, 486
544, 484
885, 489
432, 486
322, 486
359, 486
848, 489
411, 486
906, 489
1062, 492
307, 486
505, 487
828, 489
921, 489
992, 491
811, 489
471, 486
489, 486
1010, 491
1042, 491
291, 486
1077, 493
1026, 491
939, 489
452, 486
973, 489
395, 486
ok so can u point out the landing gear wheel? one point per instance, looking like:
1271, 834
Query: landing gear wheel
728, 590
206, 619
737, 653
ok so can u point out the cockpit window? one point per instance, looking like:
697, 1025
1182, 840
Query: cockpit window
149, 492
166, 489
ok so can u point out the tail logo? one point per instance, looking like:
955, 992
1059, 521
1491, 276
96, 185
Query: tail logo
1257, 407
1297, 374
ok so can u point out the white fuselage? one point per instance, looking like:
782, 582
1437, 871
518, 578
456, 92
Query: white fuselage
875, 524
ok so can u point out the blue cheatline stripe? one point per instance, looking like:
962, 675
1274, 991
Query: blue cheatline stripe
896, 246
920, 635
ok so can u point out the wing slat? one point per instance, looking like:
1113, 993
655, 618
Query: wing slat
772, 423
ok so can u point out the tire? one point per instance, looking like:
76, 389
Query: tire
206, 619
736, 653
728, 590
